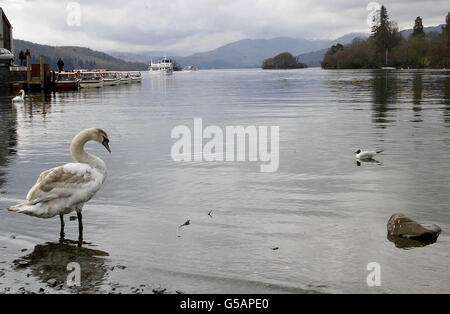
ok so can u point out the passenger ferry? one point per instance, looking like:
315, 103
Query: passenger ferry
164, 66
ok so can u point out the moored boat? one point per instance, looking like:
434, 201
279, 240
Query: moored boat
66, 81
136, 77
91, 80
125, 78
110, 78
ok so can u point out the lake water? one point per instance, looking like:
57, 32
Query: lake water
325, 213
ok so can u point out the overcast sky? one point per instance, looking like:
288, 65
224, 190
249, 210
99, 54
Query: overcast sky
186, 26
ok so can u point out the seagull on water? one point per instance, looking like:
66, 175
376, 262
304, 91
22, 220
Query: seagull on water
66, 188
366, 155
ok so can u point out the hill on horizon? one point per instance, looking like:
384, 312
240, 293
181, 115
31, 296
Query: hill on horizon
74, 57
245, 53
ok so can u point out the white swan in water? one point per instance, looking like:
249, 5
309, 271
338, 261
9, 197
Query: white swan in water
366, 155
20, 97
66, 188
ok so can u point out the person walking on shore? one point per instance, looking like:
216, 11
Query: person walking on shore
60, 65
21, 57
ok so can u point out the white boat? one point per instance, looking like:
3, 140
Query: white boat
136, 77
110, 78
125, 78
190, 68
164, 66
91, 80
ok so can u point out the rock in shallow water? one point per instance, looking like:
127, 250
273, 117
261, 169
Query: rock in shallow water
403, 227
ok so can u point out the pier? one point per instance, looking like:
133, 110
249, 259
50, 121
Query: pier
32, 77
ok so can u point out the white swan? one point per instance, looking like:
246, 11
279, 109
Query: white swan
19, 97
365, 155
66, 188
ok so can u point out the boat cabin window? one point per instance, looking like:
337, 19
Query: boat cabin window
66, 77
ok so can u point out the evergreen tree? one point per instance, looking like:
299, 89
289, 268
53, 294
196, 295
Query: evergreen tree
418, 27
385, 35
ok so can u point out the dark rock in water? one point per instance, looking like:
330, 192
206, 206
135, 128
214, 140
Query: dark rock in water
405, 232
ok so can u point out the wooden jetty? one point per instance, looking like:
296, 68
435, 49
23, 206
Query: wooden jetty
32, 77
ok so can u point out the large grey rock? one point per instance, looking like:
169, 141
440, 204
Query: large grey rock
401, 226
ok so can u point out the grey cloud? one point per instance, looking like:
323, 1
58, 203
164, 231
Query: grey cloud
198, 25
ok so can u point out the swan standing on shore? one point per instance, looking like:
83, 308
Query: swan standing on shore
20, 97
366, 155
66, 188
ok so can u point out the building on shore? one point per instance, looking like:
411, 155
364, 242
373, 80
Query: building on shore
6, 32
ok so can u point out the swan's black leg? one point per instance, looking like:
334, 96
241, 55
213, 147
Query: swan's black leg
80, 229
61, 234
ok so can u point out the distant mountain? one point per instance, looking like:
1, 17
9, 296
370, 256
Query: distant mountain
405, 33
130, 57
250, 53
74, 57
314, 58
245, 53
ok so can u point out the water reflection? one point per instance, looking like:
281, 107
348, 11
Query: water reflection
36, 104
160, 83
417, 90
8, 136
50, 260
368, 161
404, 243
446, 100
384, 92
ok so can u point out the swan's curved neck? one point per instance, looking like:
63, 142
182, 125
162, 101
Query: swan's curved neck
80, 155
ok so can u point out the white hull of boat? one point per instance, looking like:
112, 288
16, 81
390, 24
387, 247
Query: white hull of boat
111, 82
136, 79
161, 72
125, 81
91, 84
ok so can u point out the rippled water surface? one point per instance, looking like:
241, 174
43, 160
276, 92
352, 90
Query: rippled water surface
325, 213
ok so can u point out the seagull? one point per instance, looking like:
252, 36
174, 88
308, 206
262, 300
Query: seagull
366, 155
19, 97
209, 214
66, 188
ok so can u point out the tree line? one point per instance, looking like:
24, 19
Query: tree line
387, 47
